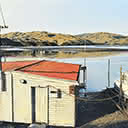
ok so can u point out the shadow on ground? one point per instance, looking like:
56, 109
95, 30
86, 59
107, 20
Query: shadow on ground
89, 111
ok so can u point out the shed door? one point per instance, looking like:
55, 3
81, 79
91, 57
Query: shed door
42, 105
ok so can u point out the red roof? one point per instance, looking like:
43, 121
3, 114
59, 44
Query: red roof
45, 68
6, 66
54, 69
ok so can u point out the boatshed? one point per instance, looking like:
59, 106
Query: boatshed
39, 92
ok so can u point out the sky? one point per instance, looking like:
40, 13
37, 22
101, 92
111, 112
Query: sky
66, 16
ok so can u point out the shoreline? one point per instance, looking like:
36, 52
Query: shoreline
73, 55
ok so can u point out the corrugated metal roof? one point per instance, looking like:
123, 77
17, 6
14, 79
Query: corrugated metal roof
54, 69
7, 66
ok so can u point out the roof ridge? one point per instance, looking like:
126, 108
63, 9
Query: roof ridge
28, 65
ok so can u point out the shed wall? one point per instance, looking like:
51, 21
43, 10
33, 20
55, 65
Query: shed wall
22, 102
61, 111
6, 101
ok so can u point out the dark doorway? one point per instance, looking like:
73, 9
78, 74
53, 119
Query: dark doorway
33, 102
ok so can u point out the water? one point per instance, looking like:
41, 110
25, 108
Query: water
97, 69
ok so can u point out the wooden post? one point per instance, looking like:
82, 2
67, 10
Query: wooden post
108, 73
84, 74
121, 91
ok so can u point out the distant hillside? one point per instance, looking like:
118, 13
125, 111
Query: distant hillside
8, 42
105, 38
45, 39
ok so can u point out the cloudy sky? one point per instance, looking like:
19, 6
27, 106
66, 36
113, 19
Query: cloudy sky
66, 16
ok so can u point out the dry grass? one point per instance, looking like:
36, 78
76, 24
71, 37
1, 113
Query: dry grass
113, 120
59, 39
41, 36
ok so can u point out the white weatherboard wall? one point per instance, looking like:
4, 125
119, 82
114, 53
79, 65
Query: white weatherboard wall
6, 100
22, 101
49, 108
62, 110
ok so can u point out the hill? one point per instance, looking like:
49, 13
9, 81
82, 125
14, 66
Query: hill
105, 38
8, 42
45, 39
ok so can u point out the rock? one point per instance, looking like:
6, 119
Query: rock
37, 126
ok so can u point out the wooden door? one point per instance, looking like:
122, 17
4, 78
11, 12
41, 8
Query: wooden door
42, 105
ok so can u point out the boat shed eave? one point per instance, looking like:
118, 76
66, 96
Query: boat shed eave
69, 82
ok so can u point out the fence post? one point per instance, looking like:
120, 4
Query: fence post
108, 73
121, 91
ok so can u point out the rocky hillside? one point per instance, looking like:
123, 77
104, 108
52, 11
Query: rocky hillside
53, 39
105, 38
45, 39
